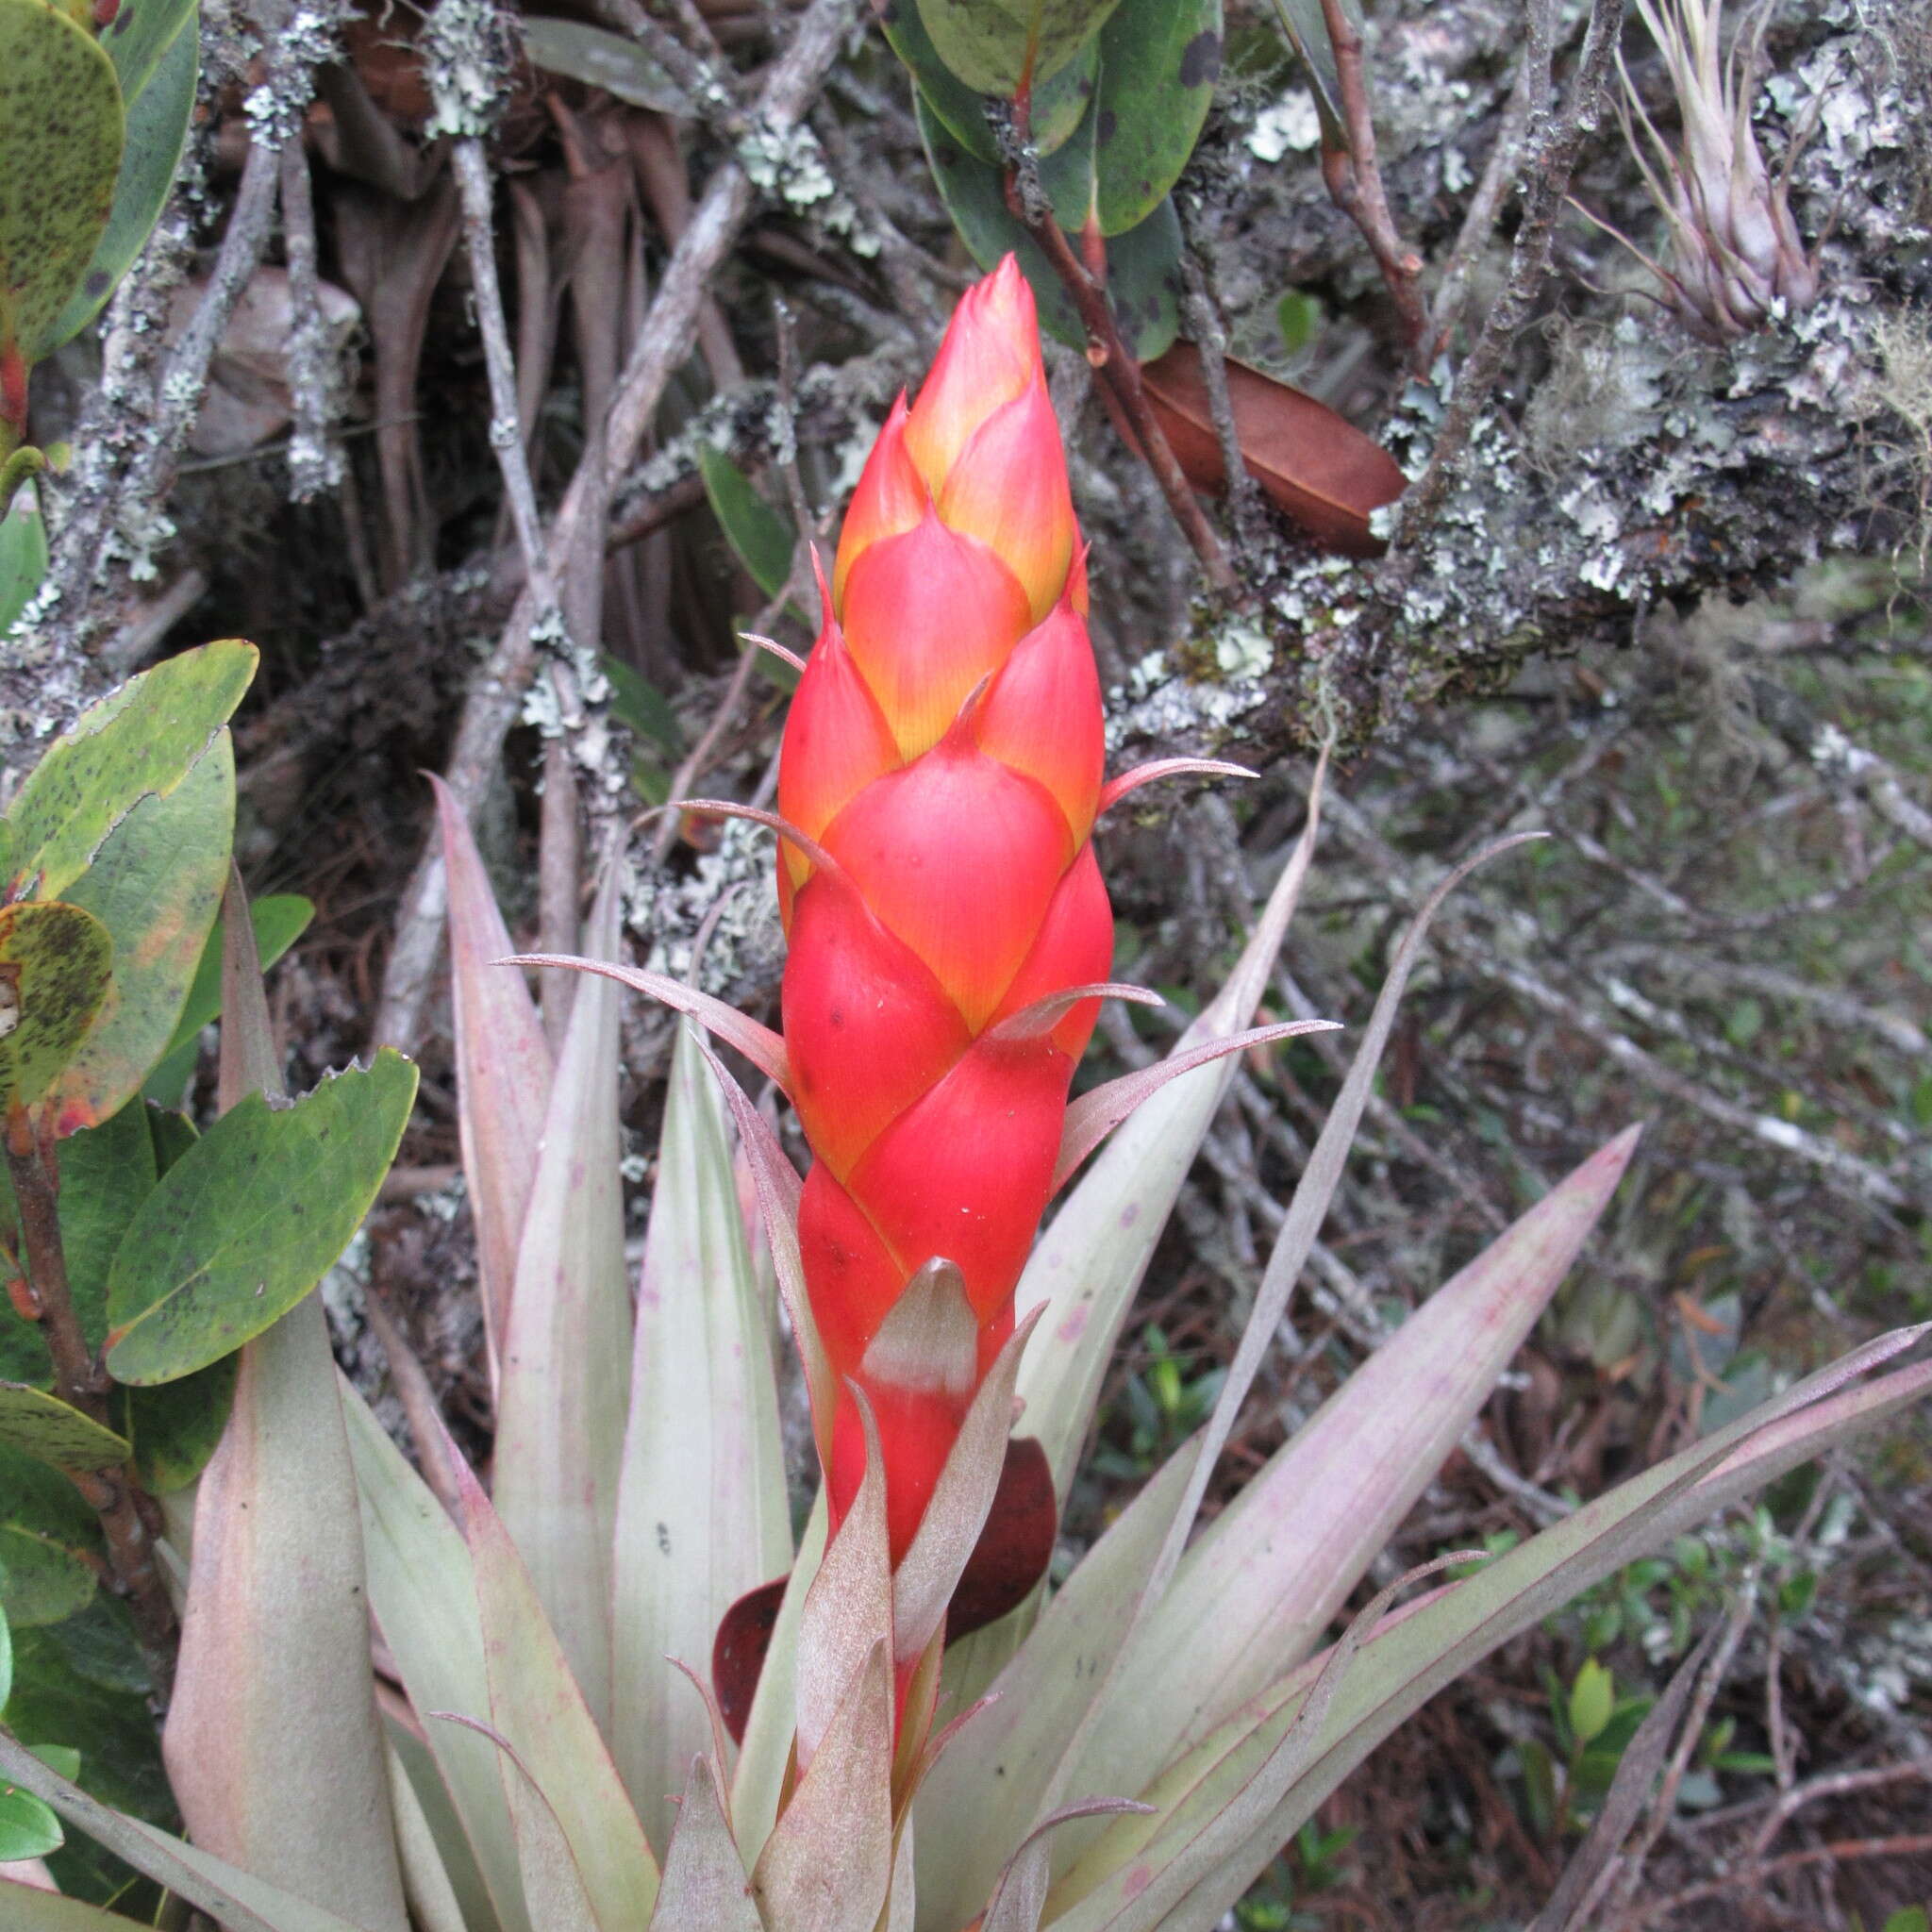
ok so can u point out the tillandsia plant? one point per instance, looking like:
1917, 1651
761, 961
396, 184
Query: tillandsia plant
1127, 1751
1736, 257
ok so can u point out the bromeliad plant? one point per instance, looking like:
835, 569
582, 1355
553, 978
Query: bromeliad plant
907, 1732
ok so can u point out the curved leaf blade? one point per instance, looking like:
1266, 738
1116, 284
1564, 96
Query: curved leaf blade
250, 1218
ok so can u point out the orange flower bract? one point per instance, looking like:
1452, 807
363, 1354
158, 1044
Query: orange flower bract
944, 754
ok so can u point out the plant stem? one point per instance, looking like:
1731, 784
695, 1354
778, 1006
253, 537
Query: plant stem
1355, 181
80, 1381
1105, 350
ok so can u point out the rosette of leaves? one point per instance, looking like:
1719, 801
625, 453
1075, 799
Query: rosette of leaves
92, 122
1109, 97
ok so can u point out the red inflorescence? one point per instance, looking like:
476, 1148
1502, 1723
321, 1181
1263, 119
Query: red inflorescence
944, 754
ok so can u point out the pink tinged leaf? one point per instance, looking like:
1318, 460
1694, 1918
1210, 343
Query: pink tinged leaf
1256, 1591
776, 1183
705, 1884
1020, 1896
1040, 1018
1412, 1656
1307, 1211
958, 1509
560, 1436
1179, 1857
434, 1902
773, 649
422, 1590
1041, 1692
764, 1768
272, 1742
848, 1610
554, 1888
701, 1510
928, 1344
547, 1721
1089, 1263
1014, 1547
503, 1068
240, 1900
828, 1861
763, 1048
1095, 1115
1117, 789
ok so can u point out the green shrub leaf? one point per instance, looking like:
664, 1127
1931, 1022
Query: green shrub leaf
144, 738
158, 80
992, 44
250, 1218
54, 1432
1158, 60
154, 884
60, 131
55, 962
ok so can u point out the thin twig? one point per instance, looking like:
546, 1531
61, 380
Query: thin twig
1104, 349
315, 465
1210, 337
1501, 173
1353, 179
1552, 152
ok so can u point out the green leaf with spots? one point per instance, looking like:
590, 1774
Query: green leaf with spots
60, 135
55, 962
759, 534
49, 1539
54, 1432
156, 884
144, 738
23, 556
993, 44
175, 1428
279, 920
160, 105
105, 1175
250, 1218
1143, 272
141, 37
1158, 62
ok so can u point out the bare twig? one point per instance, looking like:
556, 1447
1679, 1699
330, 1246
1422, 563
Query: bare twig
1104, 349
1210, 337
315, 465
1353, 180
662, 342
1553, 150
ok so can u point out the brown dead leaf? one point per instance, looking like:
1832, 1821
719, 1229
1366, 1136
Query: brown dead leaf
1318, 467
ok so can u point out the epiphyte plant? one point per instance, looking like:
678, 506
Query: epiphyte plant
1127, 1752
1736, 257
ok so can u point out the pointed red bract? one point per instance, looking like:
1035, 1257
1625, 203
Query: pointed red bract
1009, 487
868, 1029
892, 496
835, 743
960, 857
928, 615
1074, 947
1041, 716
991, 352
965, 1174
